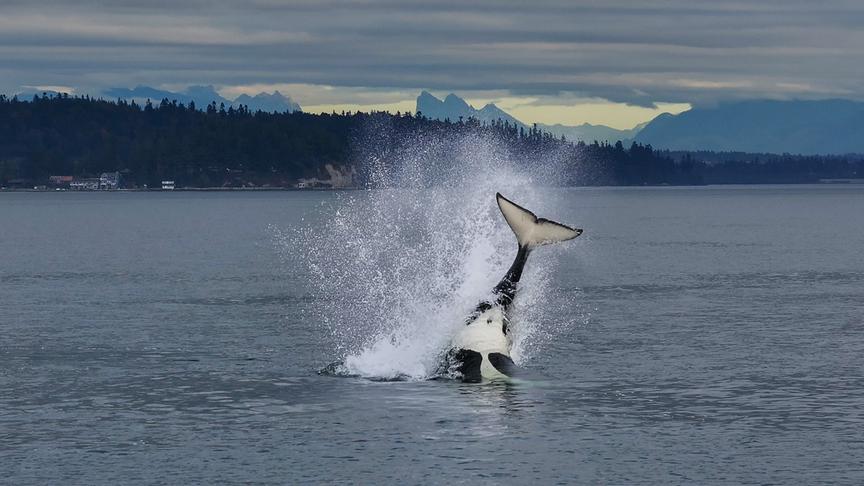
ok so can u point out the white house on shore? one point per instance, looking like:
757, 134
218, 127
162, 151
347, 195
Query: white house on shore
109, 181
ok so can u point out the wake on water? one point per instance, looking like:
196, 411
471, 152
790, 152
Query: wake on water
401, 265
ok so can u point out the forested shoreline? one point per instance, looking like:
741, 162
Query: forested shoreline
217, 147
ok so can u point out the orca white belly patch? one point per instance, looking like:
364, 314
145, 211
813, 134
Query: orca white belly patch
485, 334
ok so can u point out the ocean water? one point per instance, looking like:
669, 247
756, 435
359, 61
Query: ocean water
710, 335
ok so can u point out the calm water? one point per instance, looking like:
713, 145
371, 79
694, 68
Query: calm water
162, 338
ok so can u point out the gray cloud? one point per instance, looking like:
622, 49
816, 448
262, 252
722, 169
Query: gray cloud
633, 52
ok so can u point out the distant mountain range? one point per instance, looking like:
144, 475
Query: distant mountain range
589, 133
204, 95
797, 127
453, 108
275, 102
758, 126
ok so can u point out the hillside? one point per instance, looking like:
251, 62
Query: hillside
70, 137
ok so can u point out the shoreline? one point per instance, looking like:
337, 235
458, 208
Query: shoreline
832, 183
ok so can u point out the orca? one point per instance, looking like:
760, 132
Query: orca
481, 349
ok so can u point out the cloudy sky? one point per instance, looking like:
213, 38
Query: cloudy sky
604, 61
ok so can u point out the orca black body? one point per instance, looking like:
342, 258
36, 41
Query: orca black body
481, 350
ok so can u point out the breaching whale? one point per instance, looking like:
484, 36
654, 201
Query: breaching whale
481, 349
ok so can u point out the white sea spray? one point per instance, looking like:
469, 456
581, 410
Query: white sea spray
397, 267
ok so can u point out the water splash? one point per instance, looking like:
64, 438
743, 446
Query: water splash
401, 265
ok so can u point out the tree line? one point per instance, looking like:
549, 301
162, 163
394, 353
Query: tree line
214, 146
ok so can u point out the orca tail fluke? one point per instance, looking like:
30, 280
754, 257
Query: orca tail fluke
530, 230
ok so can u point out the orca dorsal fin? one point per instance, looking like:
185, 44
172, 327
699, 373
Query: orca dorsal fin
530, 230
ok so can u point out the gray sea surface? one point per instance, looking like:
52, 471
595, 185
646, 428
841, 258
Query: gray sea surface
164, 338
